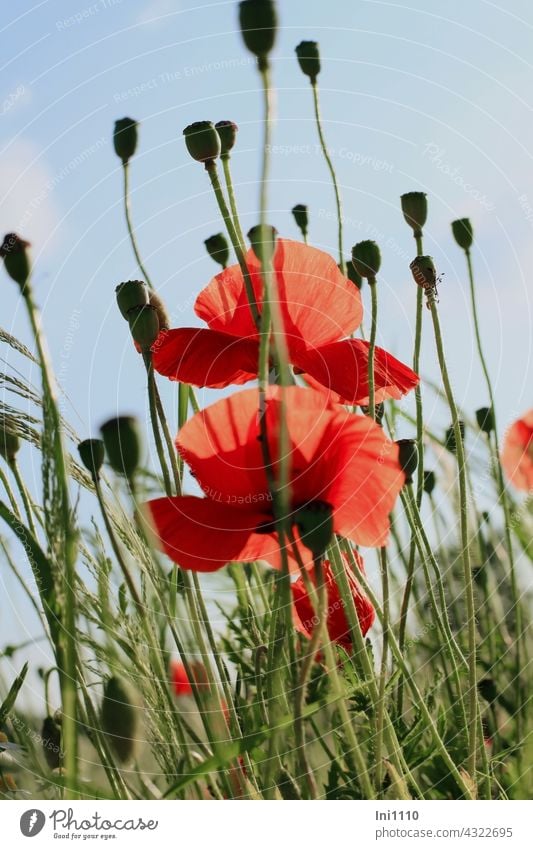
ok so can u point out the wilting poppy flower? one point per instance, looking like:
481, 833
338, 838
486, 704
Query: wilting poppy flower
517, 452
337, 623
180, 680
337, 461
319, 308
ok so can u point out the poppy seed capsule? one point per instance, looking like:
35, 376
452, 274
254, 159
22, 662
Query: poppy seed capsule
125, 138
51, 742
449, 437
14, 251
463, 233
259, 22
415, 210
352, 274
92, 454
203, 141
227, 131
315, 526
429, 482
485, 419
119, 718
144, 325
424, 271
309, 59
218, 249
131, 293
160, 308
366, 258
263, 241
300, 216
407, 457
9, 444
122, 442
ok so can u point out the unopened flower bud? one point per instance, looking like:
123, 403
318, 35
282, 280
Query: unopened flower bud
131, 293
485, 419
144, 326
309, 59
51, 742
366, 258
125, 138
463, 233
9, 443
315, 526
119, 718
407, 457
300, 216
352, 274
259, 21
218, 249
122, 442
449, 438
429, 482
415, 210
227, 131
92, 454
263, 241
14, 251
203, 141
424, 271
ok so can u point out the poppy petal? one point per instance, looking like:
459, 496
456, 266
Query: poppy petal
205, 357
517, 453
342, 367
204, 535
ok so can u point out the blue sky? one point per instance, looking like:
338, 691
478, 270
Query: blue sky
433, 96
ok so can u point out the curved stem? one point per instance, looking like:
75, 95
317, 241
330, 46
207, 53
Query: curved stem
24, 496
154, 421
329, 163
372, 349
129, 225
383, 668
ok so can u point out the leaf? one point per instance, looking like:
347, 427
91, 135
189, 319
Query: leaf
11, 697
398, 788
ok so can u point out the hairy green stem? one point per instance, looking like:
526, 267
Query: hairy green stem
329, 163
131, 233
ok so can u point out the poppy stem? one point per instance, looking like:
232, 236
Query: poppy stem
233, 203
167, 437
418, 388
383, 667
502, 494
131, 233
372, 349
154, 421
465, 543
329, 163
28, 508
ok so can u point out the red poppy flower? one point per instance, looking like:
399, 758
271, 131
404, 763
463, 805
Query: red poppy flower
335, 458
319, 308
517, 452
337, 623
180, 681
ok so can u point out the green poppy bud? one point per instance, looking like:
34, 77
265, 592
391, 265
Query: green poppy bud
309, 59
122, 442
131, 293
424, 271
352, 274
144, 326
263, 241
463, 233
159, 306
429, 482
203, 141
92, 454
259, 21
227, 131
14, 251
315, 526
485, 419
9, 443
218, 249
119, 718
300, 216
415, 210
51, 742
407, 457
366, 258
449, 437
125, 138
